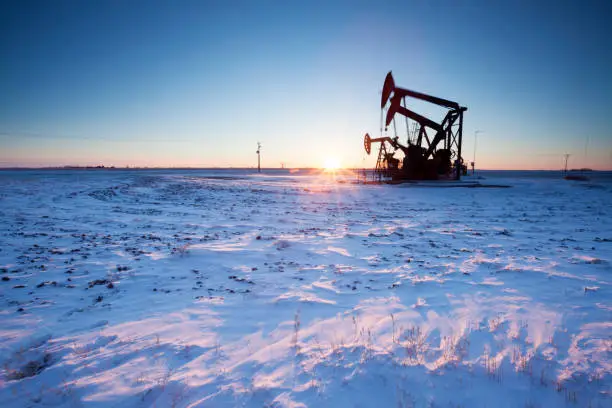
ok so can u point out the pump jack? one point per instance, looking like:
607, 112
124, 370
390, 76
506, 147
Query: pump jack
439, 157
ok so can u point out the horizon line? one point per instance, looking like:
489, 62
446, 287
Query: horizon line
70, 167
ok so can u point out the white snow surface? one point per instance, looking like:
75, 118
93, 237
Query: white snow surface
230, 289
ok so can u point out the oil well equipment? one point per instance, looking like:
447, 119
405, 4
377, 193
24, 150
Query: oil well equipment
432, 150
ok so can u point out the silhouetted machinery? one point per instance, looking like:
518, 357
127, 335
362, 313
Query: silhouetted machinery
424, 157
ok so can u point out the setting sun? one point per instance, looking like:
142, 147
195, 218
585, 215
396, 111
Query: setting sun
331, 164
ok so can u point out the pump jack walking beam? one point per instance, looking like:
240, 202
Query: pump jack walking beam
389, 87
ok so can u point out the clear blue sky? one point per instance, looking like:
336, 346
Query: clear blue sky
198, 83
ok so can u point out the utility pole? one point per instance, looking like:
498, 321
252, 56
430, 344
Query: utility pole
476, 132
258, 157
566, 155
586, 147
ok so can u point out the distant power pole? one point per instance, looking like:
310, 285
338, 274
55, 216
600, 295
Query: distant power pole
258, 157
566, 155
476, 132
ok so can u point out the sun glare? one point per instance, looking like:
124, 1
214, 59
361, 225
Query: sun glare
332, 164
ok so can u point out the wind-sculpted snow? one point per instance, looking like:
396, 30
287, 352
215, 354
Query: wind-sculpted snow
189, 289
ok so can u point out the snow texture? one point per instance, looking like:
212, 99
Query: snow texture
222, 289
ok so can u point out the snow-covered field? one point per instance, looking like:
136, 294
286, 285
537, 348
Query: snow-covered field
195, 288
